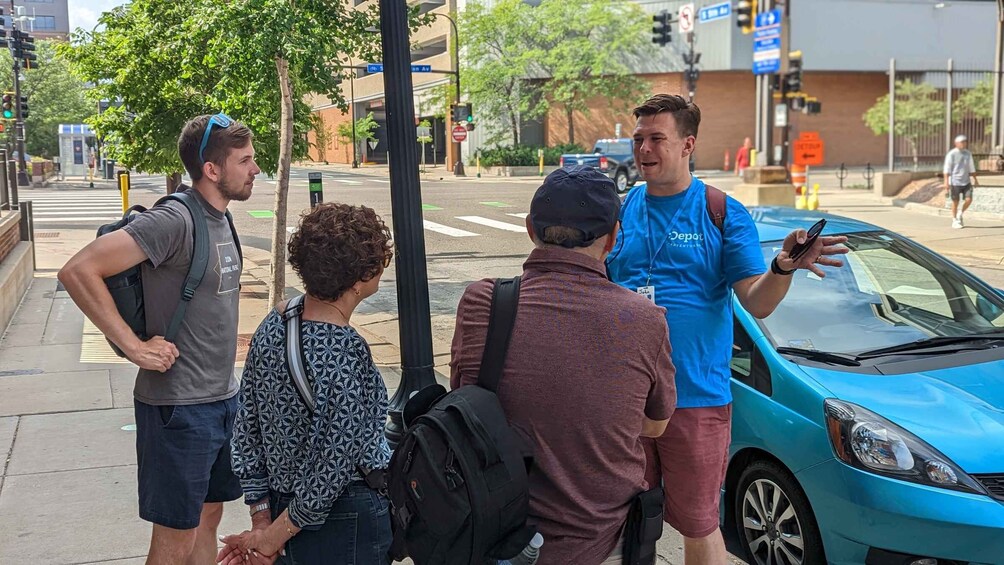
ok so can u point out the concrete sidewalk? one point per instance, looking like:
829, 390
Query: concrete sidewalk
67, 481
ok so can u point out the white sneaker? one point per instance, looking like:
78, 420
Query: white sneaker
956, 224
959, 219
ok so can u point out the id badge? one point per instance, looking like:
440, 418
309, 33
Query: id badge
648, 292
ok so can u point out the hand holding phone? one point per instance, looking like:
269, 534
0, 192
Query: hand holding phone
800, 248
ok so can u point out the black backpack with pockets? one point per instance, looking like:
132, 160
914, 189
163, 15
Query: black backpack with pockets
126, 287
458, 478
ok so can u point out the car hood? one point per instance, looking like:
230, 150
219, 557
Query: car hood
959, 411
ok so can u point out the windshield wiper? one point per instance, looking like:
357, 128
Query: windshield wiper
824, 356
936, 342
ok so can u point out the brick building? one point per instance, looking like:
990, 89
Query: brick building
846, 45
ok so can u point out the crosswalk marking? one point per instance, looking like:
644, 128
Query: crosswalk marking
493, 223
447, 230
347, 181
520, 216
75, 208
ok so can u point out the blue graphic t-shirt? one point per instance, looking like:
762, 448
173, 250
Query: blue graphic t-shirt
692, 270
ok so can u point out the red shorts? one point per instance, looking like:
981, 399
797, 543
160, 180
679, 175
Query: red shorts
692, 457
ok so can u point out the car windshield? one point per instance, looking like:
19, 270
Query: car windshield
889, 292
619, 148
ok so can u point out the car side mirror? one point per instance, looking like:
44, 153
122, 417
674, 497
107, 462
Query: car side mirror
987, 309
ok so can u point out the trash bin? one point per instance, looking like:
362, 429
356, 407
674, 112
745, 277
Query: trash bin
109, 169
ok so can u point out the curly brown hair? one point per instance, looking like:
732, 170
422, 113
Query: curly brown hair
337, 246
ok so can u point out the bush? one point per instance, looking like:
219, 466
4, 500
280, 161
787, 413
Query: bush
525, 155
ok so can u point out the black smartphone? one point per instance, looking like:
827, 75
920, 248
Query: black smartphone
813, 235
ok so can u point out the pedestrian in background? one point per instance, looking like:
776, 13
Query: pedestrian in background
672, 252
959, 169
303, 471
743, 157
588, 371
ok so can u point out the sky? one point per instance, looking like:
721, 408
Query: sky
85, 13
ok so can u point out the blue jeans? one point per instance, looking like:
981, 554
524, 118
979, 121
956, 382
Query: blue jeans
357, 531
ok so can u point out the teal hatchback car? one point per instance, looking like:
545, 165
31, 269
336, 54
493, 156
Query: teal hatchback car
868, 416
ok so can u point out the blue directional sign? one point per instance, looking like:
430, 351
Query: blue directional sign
714, 12
767, 43
378, 68
421, 68
374, 67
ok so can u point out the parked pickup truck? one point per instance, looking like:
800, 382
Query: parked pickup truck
612, 156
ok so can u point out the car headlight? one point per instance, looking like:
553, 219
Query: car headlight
865, 440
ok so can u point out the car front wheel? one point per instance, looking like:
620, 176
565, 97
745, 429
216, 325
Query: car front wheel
773, 518
621, 180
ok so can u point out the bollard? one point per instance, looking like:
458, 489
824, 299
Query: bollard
477, 156
842, 174
4, 192
27, 227
12, 182
753, 156
316, 189
123, 178
540, 158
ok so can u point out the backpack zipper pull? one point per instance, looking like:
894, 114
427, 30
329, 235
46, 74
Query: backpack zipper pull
453, 478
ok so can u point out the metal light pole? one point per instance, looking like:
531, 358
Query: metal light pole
414, 320
458, 168
352, 113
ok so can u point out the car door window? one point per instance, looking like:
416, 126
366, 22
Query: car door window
748, 364
907, 282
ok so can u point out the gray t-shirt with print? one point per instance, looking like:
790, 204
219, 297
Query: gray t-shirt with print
207, 339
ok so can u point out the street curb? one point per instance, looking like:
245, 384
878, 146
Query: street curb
937, 211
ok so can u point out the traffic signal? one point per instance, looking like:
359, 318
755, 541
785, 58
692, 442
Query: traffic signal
662, 30
813, 105
793, 78
28, 57
8, 105
24, 107
746, 15
461, 113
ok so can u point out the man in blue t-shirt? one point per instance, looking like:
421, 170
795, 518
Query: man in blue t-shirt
673, 253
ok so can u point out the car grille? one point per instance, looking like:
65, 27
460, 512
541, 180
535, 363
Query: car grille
993, 483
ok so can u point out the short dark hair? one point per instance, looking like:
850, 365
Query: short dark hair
337, 246
564, 236
221, 142
686, 114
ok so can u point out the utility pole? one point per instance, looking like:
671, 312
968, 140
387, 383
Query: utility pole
414, 320
16, 38
691, 74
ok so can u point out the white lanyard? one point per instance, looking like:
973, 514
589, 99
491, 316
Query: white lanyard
669, 229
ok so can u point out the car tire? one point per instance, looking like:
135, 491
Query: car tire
764, 488
621, 181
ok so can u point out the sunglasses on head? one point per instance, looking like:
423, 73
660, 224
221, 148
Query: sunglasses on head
223, 121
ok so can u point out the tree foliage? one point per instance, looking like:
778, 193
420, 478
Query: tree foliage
976, 102
918, 113
520, 61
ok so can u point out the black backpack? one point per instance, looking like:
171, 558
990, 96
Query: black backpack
458, 479
126, 287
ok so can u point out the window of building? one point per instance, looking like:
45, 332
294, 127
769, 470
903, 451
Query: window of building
45, 22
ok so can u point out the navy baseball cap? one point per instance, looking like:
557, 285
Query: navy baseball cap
578, 197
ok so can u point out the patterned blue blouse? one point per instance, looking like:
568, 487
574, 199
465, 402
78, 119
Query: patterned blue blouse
278, 445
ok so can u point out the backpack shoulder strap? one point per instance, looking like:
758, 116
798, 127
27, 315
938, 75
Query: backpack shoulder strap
237, 239
200, 258
716, 206
505, 302
295, 360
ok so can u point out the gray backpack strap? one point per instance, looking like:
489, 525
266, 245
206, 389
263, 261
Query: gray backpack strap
295, 360
200, 258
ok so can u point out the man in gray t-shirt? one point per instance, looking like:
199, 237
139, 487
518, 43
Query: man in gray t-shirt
959, 167
185, 395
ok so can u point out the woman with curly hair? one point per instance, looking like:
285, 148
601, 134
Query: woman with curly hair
303, 471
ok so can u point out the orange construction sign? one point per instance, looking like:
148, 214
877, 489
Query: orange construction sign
807, 152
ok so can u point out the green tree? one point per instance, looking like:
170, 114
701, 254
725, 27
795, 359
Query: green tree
496, 61
365, 130
54, 96
976, 102
918, 114
584, 46
322, 136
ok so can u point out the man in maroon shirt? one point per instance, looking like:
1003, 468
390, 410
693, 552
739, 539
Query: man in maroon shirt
588, 372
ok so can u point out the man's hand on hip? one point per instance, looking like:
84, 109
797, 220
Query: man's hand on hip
155, 354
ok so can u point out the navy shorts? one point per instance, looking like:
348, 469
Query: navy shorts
183, 454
